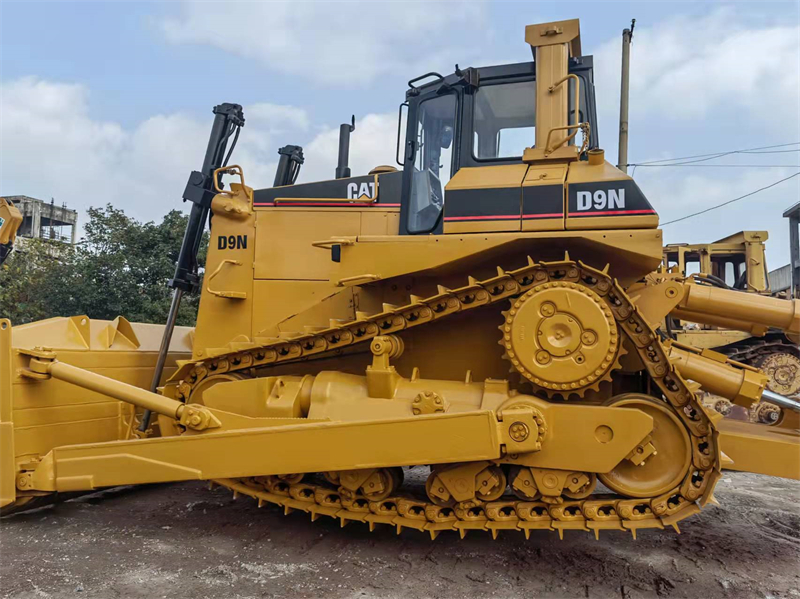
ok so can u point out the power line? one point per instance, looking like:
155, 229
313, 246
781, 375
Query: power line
719, 154
770, 151
747, 195
720, 165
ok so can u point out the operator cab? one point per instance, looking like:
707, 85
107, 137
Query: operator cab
475, 117
508, 148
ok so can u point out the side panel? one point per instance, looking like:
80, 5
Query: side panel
601, 197
227, 285
543, 198
484, 199
285, 235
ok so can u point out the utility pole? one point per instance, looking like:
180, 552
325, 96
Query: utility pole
627, 37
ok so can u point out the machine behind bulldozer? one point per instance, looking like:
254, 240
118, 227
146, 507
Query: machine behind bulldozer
486, 314
737, 262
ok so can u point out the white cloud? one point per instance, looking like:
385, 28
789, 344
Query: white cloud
330, 42
276, 118
718, 68
50, 146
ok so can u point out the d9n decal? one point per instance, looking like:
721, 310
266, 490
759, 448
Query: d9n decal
601, 199
232, 242
607, 198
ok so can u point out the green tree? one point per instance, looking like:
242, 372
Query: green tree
120, 267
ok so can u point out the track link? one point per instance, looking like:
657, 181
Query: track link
594, 513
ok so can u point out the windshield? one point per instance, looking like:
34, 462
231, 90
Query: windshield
432, 162
504, 121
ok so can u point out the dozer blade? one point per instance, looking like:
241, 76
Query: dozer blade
760, 448
37, 416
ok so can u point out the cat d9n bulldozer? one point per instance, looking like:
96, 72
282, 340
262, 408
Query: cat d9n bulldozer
488, 312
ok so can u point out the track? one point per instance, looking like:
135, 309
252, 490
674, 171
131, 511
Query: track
593, 513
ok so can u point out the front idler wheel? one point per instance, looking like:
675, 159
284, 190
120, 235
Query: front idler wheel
663, 469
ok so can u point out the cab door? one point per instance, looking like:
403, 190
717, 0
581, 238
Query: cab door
429, 161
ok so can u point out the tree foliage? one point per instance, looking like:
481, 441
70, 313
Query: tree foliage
120, 267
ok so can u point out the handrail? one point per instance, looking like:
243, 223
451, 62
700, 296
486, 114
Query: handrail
326, 244
365, 277
227, 170
425, 76
553, 87
225, 294
577, 125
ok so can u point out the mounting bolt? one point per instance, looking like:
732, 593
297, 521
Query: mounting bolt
518, 431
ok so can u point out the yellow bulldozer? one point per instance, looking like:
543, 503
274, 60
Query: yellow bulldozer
737, 262
486, 315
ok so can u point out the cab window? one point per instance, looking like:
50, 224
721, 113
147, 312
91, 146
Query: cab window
433, 161
504, 120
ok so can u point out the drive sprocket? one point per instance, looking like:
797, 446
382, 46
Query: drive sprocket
562, 337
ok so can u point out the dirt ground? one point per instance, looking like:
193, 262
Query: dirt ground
182, 540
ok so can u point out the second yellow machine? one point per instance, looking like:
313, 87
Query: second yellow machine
487, 312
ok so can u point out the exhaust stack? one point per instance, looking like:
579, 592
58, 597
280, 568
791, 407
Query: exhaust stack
345, 129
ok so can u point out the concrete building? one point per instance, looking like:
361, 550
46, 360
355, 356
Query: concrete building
793, 214
43, 220
787, 277
780, 279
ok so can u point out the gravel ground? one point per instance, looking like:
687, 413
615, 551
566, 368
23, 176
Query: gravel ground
183, 541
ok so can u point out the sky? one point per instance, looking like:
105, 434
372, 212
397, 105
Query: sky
110, 102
